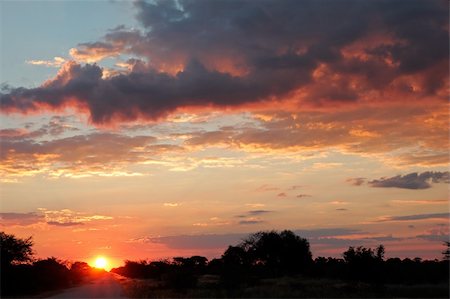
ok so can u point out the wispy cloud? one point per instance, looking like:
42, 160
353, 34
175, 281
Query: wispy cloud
56, 62
64, 217
251, 221
22, 219
356, 181
415, 217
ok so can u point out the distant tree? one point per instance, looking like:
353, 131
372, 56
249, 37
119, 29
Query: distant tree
15, 250
380, 251
235, 255
195, 264
215, 266
359, 254
446, 252
199, 261
364, 263
234, 267
279, 253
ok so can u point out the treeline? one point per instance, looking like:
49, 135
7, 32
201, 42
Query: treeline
271, 254
21, 275
266, 264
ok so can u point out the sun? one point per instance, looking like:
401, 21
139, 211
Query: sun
100, 263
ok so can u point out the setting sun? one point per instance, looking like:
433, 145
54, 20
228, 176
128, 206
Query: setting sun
100, 263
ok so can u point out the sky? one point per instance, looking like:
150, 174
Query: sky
146, 130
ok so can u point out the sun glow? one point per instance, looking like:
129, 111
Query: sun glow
100, 262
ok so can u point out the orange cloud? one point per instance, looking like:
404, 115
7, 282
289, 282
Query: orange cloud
56, 62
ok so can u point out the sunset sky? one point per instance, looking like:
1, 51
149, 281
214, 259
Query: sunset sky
154, 129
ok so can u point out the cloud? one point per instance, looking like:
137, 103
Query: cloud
222, 54
93, 52
282, 194
421, 202
326, 232
95, 153
255, 205
414, 180
267, 187
194, 241
64, 224
258, 212
438, 233
356, 181
295, 187
22, 219
279, 131
56, 62
64, 217
250, 217
416, 217
250, 222
67, 217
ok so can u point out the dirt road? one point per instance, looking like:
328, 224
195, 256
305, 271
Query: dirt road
104, 286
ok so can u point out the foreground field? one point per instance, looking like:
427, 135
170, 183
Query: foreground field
209, 286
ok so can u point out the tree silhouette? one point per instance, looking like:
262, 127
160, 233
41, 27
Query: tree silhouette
364, 263
380, 251
278, 253
446, 252
14, 250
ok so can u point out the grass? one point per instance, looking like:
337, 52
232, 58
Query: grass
284, 287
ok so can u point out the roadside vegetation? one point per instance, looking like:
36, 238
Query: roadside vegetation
265, 264
272, 264
22, 275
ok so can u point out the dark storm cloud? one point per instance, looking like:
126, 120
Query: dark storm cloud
228, 53
150, 95
413, 180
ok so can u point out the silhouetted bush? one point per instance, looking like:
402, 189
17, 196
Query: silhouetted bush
79, 271
21, 277
51, 274
14, 250
364, 263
